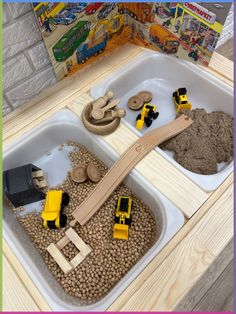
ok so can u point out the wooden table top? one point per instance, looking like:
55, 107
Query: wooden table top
209, 216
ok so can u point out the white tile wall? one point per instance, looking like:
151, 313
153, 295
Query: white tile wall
26, 65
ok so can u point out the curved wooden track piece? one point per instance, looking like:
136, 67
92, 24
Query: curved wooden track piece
124, 165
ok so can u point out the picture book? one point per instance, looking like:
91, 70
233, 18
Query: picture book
80, 33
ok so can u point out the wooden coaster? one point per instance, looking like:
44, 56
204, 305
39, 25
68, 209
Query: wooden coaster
93, 173
135, 103
79, 173
146, 96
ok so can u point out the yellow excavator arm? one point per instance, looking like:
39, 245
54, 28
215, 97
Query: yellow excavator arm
111, 26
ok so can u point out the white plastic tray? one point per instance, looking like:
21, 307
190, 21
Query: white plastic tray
39, 146
162, 75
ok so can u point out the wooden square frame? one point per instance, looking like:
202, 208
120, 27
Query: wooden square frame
55, 251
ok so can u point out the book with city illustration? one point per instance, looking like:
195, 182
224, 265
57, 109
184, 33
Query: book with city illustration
80, 33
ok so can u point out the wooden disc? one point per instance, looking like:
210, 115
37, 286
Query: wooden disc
93, 173
145, 96
79, 173
135, 103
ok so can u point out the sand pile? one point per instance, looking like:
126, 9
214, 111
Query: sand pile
207, 142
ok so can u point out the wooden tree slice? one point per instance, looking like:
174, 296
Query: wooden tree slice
79, 173
124, 165
135, 103
146, 96
93, 173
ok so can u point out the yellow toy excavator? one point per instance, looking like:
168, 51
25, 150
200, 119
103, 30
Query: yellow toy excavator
52, 214
122, 218
113, 26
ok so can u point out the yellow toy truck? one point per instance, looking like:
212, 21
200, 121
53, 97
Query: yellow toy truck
180, 99
163, 38
147, 115
122, 218
52, 214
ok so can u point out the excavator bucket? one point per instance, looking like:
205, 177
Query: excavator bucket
120, 232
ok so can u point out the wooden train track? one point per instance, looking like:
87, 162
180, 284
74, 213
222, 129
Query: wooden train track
124, 165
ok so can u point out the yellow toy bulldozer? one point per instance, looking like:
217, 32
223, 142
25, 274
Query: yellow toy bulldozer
146, 116
52, 214
122, 218
180, 99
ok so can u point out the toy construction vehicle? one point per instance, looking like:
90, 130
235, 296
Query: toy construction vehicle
147, 115
194, 55
122, 218
52, 214
180, 99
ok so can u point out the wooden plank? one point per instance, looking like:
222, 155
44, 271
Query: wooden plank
181, 269
222, 66
77, 260
222, 228
24, 278
171, 281
229, 304
78, 242
171, 182
219, 296
227, 49
204, 284
59, 258
15, 295
63, 242
37, 174
40, 183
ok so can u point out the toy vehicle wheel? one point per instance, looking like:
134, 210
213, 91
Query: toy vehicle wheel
150, 114
151, 38
148, 122
138, 117
51, 224
65, 199
155, 115
63, 220
128, 221
117, 220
